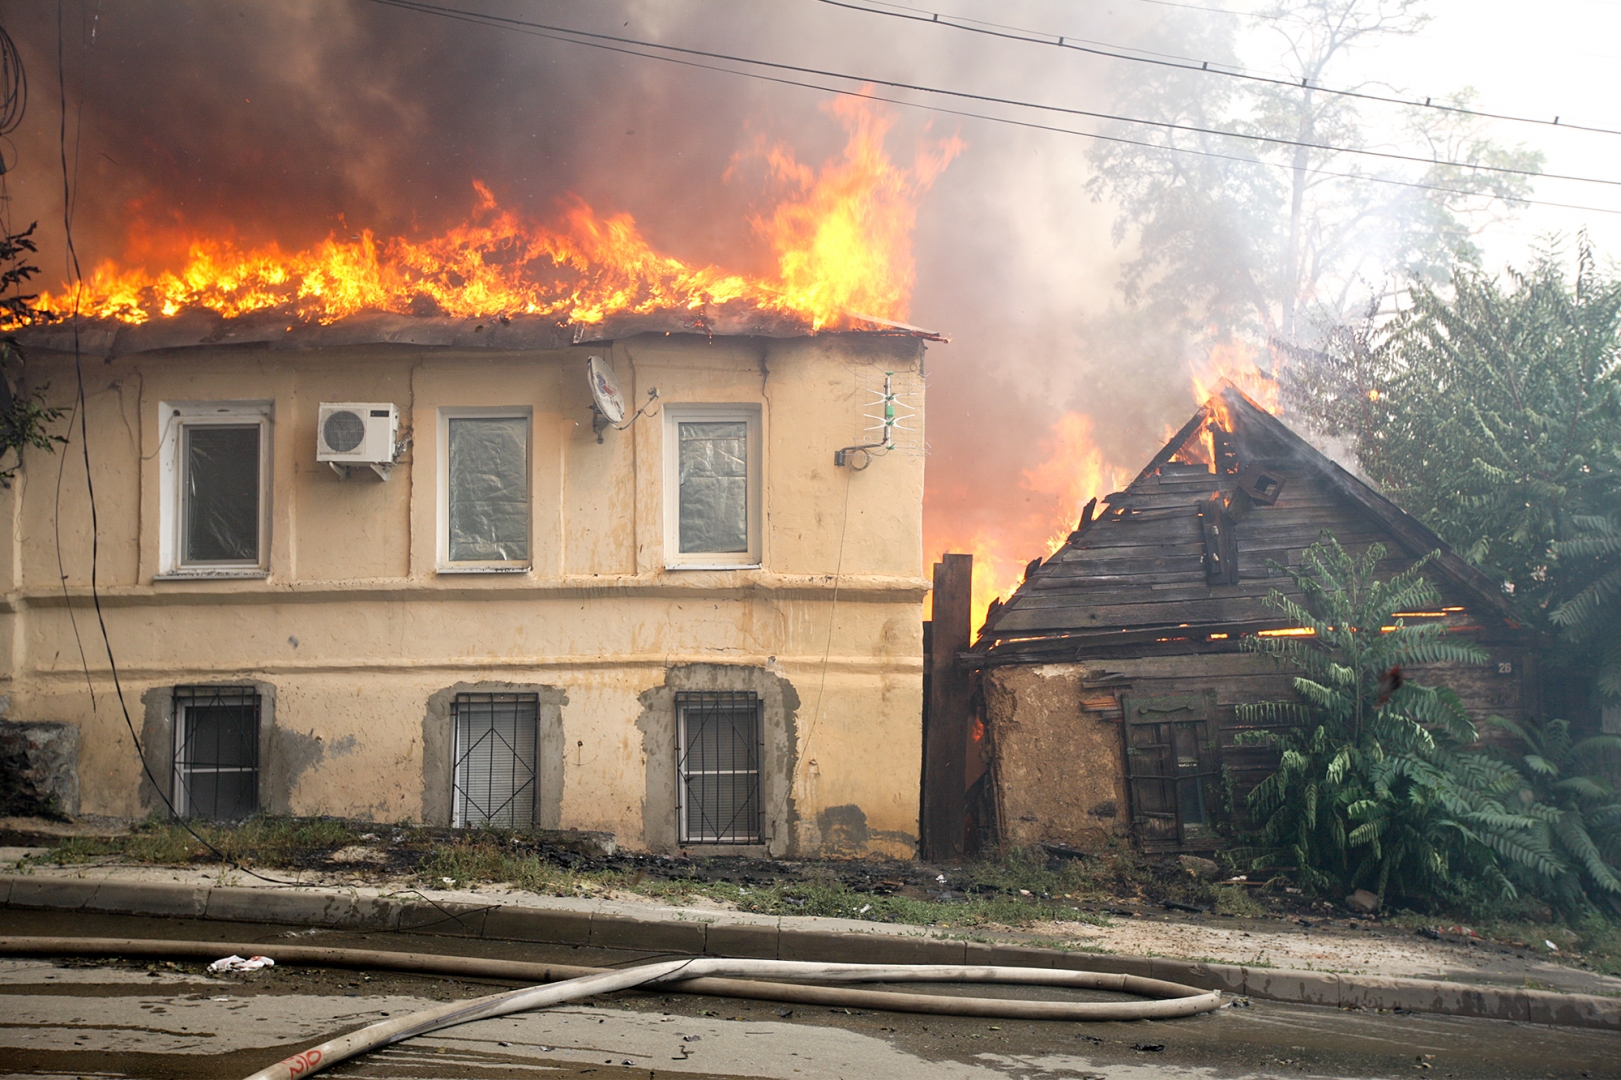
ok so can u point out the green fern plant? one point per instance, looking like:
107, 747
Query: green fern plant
1374, 788
1593, 615
1576, 806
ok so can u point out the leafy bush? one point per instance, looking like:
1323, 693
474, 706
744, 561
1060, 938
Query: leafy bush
1576, 807
1592, 617
1373, 788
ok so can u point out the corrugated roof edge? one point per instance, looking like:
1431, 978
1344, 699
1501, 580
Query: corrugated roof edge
201, 327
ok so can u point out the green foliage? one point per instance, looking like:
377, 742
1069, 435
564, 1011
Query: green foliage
24, 417
1267, 236
1372, 789
1590, 562
1566, 787
258, 841
1494, 415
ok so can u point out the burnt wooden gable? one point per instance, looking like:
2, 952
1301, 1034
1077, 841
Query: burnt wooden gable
1182, 560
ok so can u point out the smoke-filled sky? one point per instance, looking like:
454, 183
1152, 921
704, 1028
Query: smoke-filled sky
292, 120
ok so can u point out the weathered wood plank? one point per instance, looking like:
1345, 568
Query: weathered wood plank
1047, 612
945, 734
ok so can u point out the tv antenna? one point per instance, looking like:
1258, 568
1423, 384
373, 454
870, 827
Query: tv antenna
888, 411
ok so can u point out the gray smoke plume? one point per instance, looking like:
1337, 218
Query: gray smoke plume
289, 120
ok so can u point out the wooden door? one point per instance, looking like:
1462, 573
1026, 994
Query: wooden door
1171, 770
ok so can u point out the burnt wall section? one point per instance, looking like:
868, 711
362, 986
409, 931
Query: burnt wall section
39, 769
1057, 765
438, 750
779, 706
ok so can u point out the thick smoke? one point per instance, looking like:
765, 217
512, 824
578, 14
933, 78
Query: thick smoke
289, 120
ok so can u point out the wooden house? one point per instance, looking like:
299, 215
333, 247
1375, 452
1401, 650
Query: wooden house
1110, 678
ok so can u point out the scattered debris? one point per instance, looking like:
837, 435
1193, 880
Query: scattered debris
1364, 901
1199, 867
237, 963
1148, 1048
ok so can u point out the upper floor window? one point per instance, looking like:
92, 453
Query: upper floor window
711, 486
483, 490
215, 489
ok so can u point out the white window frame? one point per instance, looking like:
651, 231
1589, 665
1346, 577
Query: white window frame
443, 563
674, 557
175, 417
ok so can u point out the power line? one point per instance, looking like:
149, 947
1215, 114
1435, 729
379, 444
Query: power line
1211, 10
1067, 37
81, 406
1119, 52
1008, 121
1389, 155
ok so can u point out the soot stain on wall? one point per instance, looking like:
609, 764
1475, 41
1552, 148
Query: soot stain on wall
779, 712
275, 777
438, 748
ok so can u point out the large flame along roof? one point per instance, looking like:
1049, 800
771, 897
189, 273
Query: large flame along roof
201, 327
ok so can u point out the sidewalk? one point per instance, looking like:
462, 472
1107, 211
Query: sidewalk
1387, 973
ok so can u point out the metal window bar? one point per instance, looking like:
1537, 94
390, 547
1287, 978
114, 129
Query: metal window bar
216, 759
496, 739
718, 752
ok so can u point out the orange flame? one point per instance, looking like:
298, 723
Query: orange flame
1235, 362
1074, 470
842, 244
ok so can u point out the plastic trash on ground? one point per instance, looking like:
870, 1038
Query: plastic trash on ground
237, 963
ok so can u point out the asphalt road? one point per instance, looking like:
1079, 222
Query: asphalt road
114, 1018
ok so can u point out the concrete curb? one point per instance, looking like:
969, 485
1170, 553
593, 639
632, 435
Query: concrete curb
496, 922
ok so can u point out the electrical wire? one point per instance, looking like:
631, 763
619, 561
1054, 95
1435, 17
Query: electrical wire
1008, 121
69, 195
992, 99
13, 85
1041, 40
1120, 52
1213, 10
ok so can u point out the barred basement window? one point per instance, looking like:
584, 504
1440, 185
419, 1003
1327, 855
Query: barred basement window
216, 756
718, 738
497, 736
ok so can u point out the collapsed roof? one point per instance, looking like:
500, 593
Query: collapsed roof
1189, 551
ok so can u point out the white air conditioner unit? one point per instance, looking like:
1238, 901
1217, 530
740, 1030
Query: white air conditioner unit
357, 433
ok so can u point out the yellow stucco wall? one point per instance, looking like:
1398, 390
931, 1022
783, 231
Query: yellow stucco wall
354, 629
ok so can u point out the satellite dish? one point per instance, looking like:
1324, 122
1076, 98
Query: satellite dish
604, 391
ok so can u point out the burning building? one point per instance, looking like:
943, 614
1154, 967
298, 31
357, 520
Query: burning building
513, 523
1111, 677
395, 567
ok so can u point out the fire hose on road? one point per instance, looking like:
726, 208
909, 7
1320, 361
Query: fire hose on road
703, 975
